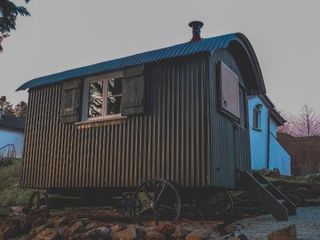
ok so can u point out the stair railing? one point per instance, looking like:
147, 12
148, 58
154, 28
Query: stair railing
7, 153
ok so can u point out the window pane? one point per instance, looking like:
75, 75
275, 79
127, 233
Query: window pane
114, 96
68, 99
114, 105
114, 86
95, 99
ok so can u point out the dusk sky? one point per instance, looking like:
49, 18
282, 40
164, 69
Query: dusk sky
62, 35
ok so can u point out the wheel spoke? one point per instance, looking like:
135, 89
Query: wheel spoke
168, 207
160, 193
159, 201
144, 210
156, 216
147, 193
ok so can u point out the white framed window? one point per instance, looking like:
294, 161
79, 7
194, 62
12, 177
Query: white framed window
102, 96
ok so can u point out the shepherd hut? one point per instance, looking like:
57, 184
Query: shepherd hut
178, 113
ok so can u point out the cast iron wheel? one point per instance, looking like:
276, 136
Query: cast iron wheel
219, 204
38, 201
156, 200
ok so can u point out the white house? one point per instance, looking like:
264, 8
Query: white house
266, 151
11, 132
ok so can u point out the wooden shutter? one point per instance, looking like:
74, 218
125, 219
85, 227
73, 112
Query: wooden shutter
71, 101
133, 91
229, 90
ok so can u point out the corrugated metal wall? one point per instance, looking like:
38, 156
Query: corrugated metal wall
170, 141
230, 140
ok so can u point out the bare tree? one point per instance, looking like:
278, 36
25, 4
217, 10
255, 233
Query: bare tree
307, 123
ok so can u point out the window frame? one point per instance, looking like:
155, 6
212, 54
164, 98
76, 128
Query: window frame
223, 66
85, 102
256, 116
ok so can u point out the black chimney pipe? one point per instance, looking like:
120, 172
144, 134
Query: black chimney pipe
196, 30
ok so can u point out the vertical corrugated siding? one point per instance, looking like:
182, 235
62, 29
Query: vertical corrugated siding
169, 141
230, 142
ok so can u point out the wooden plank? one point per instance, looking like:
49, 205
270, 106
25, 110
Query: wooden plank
263, 196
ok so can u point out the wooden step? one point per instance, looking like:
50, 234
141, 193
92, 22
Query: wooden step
277, 193
264, 197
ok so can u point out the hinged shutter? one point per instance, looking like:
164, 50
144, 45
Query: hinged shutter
229, 90
133, 91
71, 101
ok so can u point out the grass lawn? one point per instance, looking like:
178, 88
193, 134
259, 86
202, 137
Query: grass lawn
10, 192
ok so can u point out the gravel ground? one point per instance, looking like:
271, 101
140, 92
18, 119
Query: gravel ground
307, 223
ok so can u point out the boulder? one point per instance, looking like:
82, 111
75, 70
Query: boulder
141, 231
59, 221
128, 234
47, 234
74, 229
180, 233
94, 224
97, 233
288, 233
36, 230
152, 235
167, 230
199, 234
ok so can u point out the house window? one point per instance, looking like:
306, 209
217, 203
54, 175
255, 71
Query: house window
229, 91
102, 97
257, 117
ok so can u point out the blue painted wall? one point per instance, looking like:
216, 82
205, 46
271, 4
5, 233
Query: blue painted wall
8, 136
278, 157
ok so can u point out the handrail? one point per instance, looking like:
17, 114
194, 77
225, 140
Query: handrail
8, 151
8, 145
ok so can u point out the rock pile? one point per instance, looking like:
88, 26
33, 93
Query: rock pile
19, 225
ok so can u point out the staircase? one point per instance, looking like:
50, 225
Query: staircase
268, 195
7, 154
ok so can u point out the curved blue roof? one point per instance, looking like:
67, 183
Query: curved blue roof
184, 49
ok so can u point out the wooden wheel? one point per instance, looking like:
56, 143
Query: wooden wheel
38, 201
156, 200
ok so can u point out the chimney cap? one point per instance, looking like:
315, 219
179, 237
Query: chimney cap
196, 30
196, 24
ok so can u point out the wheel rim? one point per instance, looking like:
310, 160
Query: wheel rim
38, 200
156, 200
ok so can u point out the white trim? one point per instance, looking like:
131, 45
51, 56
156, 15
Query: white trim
85, 97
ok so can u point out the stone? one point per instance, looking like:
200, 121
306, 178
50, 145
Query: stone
98, 233
180, 233
118, 227
141, 231
94, 224
152, 235
288, 233
46, 234
61, 231
167, 230
199, 234
128, 234
36, 230
60, 221
74, 229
